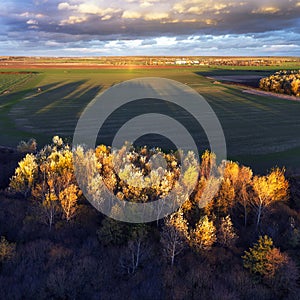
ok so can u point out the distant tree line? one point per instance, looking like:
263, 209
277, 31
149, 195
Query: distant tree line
283, 82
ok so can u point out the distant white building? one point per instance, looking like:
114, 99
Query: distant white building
180, 62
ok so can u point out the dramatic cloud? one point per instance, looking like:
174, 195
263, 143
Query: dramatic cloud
140, 27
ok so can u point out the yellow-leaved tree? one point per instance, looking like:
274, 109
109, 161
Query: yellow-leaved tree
49, 177
68, 200
25, 175
267, 190
204, 234
174, 235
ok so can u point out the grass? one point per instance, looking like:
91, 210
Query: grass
13, 80
260, 131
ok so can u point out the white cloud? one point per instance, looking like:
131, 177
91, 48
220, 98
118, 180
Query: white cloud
51, 43
206, 6
145, 4
179, 7
73, 20
106, 18
220, 6
88, 8
155, 16
32, 15
120, 45
66, 6
195, 10
210, 22
33, 27
149, 20
280, 47
32, 22
127, 14
166, 41
266, 10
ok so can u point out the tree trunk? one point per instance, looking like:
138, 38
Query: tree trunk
258, 216
173, 254
138, 254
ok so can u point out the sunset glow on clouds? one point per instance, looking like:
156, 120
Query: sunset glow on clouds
149, 27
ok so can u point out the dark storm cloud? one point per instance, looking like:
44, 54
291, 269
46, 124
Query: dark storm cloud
186, 25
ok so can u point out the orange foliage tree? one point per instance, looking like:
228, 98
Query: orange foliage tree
263, 258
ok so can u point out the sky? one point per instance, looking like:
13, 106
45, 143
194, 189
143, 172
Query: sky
149, 27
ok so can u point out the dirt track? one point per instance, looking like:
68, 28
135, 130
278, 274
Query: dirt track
270, 94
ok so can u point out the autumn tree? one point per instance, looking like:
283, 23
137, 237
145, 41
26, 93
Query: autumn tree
134, 174
174, 235
295, 85
234, 189
46, 203
226, 233
209, 183
25, 174
206, 191
88, 173
228, 188
25, 147
49, 177
267, 190
56, 190
105, 159
286, 81
204, 234
243, 190
190, 176
263, 258
68, 200
225, 198
208, 164
7, 249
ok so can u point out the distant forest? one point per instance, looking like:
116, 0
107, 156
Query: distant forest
153, 60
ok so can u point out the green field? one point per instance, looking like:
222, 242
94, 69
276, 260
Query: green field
260, 131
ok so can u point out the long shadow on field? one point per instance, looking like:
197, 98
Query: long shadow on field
9, 134
147, 105
55, 110
12, 98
